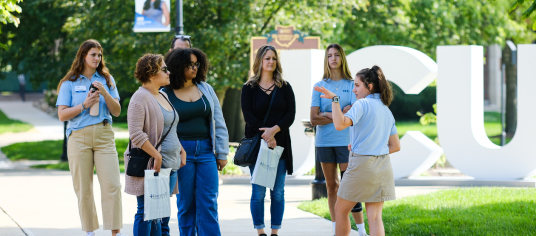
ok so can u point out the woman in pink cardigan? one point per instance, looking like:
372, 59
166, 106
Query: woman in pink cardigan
149, 114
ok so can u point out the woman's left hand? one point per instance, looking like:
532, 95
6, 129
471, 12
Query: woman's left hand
102, 89
221, 164
326, 93
183, 158
269, 133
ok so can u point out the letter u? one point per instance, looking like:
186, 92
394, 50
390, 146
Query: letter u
460, 114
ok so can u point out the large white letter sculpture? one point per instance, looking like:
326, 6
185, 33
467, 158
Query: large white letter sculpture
412, 71
302, 69
460, 115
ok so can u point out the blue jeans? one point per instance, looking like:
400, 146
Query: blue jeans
277, 197
145, 228
197, 201
165, 220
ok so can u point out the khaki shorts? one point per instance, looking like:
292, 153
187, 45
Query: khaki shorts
368, 179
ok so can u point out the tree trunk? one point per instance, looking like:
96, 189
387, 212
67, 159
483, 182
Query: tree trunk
511, 91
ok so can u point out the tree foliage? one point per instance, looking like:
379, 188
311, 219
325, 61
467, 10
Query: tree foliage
45, 43
7, 8
527, 12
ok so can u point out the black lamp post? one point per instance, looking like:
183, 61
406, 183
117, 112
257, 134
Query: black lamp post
179, 27
64, 154
319, 183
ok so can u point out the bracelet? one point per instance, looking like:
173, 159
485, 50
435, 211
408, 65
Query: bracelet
324, 114
82, 108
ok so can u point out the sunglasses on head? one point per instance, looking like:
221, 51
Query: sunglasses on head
164, 69
180, 36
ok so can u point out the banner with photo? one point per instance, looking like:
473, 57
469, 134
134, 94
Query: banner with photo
152, 16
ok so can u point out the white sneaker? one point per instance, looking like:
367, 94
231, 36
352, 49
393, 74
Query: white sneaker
90, 234
362, 234
120, 234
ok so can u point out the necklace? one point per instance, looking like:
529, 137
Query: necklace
268, 89
337, 84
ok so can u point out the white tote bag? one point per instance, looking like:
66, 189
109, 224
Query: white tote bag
156, 195
266, 166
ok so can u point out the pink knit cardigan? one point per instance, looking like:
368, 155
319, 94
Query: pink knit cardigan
145, 122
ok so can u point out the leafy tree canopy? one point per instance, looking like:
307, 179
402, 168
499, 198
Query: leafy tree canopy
527, 12
46, 42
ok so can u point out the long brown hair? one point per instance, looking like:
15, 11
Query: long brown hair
78, 65
257, 68
380, 85
344, 64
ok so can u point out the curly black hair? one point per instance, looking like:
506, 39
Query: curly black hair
178, 61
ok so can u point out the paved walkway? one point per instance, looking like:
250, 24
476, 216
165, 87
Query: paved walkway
44, 204
46, 127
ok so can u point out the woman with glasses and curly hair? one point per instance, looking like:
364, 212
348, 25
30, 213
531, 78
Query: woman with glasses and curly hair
149, 117
91, 142
204, 137
267, 81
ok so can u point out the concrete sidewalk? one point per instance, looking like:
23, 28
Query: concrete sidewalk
45, 127
44, 204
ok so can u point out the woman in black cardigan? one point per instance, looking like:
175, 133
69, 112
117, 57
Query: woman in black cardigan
255, 99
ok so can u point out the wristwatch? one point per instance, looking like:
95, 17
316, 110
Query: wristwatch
82, 108
335, 99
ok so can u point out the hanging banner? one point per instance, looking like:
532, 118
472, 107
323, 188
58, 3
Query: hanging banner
152, 16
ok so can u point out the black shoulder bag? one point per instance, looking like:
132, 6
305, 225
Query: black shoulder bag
246, 154
139, 159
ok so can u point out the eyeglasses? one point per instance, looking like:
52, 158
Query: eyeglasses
196, 65
164, 69
180, 36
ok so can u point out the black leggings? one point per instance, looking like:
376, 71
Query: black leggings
358, 207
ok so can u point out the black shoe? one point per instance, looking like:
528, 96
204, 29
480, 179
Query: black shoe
263, 235
273, 235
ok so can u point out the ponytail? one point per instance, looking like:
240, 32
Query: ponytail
380, 85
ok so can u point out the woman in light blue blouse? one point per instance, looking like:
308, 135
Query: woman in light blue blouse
373, 136
332, 145
91, 143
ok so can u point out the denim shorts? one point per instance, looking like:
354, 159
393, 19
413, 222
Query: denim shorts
332, 154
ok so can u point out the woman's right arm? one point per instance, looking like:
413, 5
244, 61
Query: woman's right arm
66, 112
318, 119
136, 121
394, 143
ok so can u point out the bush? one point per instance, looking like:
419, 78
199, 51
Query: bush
405, 106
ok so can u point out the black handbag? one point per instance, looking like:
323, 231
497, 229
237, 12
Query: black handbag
139, 159
247, 151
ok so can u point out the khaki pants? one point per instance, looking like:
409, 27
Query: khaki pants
94, 146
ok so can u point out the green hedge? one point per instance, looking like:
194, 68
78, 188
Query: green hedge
405, 106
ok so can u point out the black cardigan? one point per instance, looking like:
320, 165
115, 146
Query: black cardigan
255, 103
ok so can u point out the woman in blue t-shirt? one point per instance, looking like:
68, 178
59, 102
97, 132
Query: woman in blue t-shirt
373, 136
91, 143
332, 145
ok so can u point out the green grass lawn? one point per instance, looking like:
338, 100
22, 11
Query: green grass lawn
9, 125
120, 126
492, 125
52, 150
462, 211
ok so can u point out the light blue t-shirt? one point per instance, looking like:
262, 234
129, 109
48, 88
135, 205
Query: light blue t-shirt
373, 123
327, 135
74, 93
